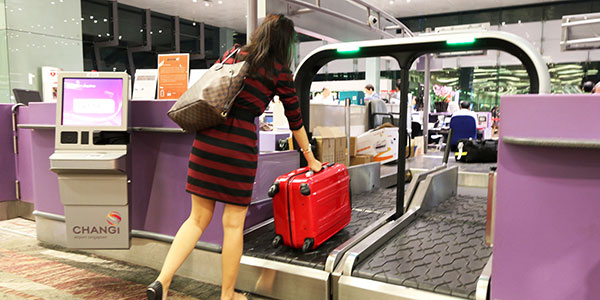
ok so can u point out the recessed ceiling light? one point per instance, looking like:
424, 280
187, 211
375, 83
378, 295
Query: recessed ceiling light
206, 3
391, 2
194, 1
220, 2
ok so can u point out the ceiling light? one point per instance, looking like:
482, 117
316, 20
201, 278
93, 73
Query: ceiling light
220, 2
206, 3
391, 2
194, 1
193, 23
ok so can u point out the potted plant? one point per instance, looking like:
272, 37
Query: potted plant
442, 95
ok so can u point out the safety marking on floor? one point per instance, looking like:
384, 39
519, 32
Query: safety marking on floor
18, 232
369, 211
74, 257
432, 156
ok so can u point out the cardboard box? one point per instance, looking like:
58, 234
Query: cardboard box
352, 146
372, 142
325, 149
360, 159
392, 150
331, 145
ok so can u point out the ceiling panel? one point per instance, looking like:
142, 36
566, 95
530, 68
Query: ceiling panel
232, 13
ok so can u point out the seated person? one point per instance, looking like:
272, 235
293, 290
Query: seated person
465, 111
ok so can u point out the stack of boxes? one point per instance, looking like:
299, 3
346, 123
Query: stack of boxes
331, 145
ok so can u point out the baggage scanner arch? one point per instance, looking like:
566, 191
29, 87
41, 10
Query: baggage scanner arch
406, 51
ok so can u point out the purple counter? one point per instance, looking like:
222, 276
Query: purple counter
7, 155
158, 174
547, 230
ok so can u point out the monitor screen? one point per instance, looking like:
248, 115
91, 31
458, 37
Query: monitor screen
92, 102
26, 96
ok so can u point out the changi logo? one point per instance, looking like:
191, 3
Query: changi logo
113, 218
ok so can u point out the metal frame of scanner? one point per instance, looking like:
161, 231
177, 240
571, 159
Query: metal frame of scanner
92, 169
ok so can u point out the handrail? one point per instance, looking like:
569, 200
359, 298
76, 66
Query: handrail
553, 142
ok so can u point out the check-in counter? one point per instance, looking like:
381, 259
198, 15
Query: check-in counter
159, 154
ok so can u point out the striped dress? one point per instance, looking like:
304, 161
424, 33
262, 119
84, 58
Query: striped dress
223, 161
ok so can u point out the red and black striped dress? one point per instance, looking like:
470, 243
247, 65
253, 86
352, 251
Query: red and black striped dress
223, 161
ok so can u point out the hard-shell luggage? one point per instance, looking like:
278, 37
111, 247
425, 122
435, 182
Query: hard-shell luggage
308, 207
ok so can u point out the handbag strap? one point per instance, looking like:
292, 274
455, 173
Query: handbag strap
232, 53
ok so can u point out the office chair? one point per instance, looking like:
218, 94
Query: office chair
377, 108
463, 127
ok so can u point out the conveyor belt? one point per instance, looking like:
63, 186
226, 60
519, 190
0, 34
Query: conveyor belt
442, 251
366, 208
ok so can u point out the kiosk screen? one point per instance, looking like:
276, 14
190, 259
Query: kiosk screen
92, 101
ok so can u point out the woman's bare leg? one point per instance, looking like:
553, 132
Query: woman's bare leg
233, 244
186, 238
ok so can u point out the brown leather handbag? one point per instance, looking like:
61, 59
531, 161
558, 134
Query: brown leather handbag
207, 103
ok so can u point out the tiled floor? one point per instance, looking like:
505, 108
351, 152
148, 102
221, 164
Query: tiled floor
29, 270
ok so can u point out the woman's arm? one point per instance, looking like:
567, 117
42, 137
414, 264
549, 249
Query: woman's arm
302, 139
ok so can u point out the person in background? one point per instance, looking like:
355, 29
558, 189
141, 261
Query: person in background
324, 97
223, 160
587, 87
370, 93
596, 89
465, 111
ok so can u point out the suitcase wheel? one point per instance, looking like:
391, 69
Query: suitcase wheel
274, 189
308, 244
277, 241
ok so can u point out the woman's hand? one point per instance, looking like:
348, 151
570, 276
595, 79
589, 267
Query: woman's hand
315, 165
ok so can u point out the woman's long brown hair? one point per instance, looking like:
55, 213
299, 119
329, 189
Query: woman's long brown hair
271, 42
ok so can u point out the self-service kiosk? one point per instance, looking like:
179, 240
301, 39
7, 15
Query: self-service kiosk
90, 158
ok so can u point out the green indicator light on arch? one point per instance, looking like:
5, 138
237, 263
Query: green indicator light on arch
460, 41
348, 49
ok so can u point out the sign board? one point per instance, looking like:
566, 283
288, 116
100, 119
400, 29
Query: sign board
173, 72
50, 83
97, 227
144, 86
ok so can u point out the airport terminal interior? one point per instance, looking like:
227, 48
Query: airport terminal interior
459, 145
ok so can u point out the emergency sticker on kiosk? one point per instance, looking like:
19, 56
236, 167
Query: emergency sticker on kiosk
92, 102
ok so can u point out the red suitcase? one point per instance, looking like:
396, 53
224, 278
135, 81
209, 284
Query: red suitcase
308, 207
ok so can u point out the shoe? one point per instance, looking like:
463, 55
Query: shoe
248, 296
154, 291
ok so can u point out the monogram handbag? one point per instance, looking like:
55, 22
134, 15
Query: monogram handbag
207, 103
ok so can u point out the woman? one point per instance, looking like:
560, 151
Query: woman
222, 164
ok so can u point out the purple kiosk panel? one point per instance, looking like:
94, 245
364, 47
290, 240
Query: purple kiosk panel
38, 185
158, 172
7, 163
547, 230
